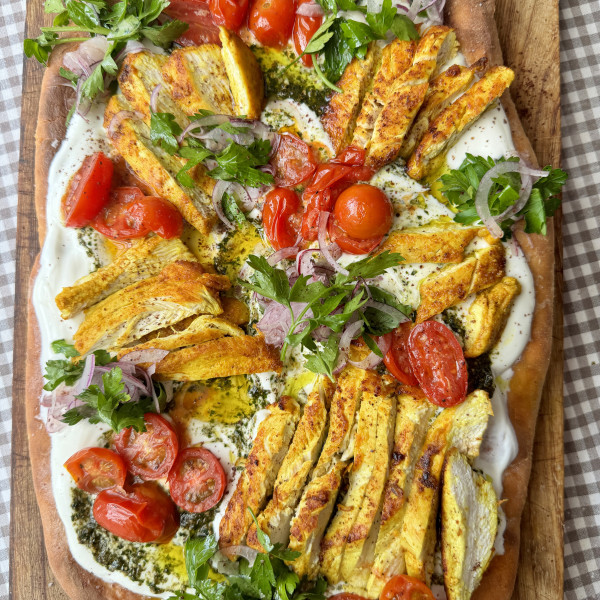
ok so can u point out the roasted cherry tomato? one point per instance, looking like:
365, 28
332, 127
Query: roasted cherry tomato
403, 587
396, 359
438, 363
144, 513
230, 13
149, 454
89, 190
197, 480
196, 13
346, 596
351, 156
363, 212
96, 469
350, 244
129, 214
304, 29
281, 217
294, 161
272, 21
314, 203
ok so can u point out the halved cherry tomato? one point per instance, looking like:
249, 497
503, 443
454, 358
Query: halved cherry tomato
144, 513
149, 454
314, 203
351, 156
396, 359
96, 469
304, 29
281, 217
294, 161
363, 212
350, 244
197, 480
346, 596
230, 13
129, 214
88, 191
438, 362
403, 587
272, 21
197, 14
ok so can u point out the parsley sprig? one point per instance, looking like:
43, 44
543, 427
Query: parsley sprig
108, 403
339, 40
332, 306
460, 187
119, 22
235, 162
268, 578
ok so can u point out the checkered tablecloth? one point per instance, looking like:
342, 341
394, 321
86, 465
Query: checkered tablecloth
580, 63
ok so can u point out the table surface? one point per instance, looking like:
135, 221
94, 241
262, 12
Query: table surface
580, 64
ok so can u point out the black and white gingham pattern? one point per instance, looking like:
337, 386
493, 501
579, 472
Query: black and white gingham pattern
580, 58
580, 62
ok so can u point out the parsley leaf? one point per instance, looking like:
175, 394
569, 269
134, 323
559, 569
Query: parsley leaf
460, 186
62, 347
164, 131
198, 551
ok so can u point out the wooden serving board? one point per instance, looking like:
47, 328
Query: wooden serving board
529, 33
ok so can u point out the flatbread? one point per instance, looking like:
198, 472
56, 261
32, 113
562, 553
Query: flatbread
476, 30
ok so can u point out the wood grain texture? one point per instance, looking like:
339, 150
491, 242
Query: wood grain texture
525, 26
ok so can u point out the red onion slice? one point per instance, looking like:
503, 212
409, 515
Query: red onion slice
278, 256
89, 53
146, 355
310, 9
233, 552
154, 97
351, 331
217, 196
131, 47
119, 118
324, 247
86, 377
370, 362
485, 185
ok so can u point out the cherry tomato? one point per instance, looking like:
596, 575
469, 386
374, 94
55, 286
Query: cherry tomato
88, 191
144, 513
149, 454
351, 156
346, 596
197, 14
129, 214
315, 202
396, 359
294, 161
403, 587
281, 217
438, 362
363, 212
350, 244
230, 13
96, 469
304, 29
272, 21
197, 480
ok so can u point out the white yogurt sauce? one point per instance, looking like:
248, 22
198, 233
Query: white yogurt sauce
63, 261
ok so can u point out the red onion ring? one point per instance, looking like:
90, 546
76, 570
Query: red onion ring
370, 362
217, 196
86, 377
154, 97
240, 551
119, 117
278, 256
324, 247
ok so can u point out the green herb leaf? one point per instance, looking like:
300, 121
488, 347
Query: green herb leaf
164, 35
404, 29
53, 6
197, 552
164, 131
63, 347
383, 21
324, 362
232, 210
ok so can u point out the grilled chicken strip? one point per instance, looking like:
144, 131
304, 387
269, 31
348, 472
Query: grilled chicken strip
340, 115
443, 90
461, 427
180, 290
488, 315
461, 114
198, 80
396, 57
434, 243
222, 357
412, 420
131, 139
469, 526
144, 259
302, 455
255, 484
407, 94
454, 283
318, 498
